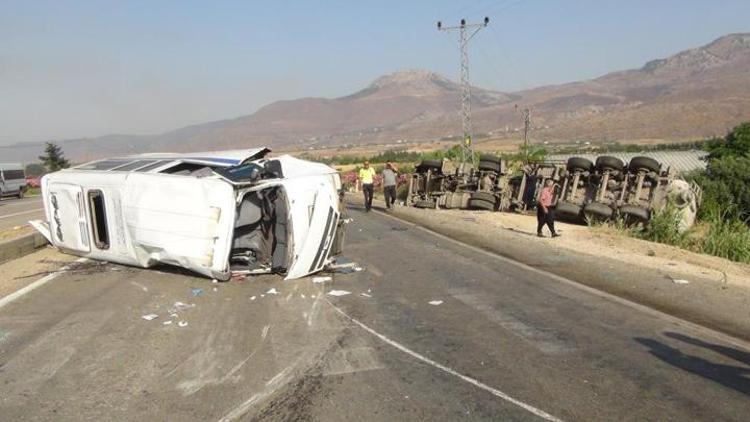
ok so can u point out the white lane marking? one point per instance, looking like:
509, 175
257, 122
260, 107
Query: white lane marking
20, 213
684, 324
39, 283
495, 392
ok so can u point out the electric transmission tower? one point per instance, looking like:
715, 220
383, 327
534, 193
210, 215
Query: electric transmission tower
526, 114
466, 33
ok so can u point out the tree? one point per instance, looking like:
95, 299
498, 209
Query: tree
53, 158
35, 169
726, 181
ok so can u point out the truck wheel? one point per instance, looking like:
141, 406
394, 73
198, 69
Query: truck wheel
481, 204
644, 164
579, 163
484, 196
20, 193
598, 210
633, 214
423, 203
429, 165
489, 166
566, 208
490, 158
609, 163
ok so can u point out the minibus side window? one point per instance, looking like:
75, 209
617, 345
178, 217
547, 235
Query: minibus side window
98, 219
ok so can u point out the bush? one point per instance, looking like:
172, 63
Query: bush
664, 227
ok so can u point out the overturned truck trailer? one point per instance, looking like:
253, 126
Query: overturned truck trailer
602, 190
214, 213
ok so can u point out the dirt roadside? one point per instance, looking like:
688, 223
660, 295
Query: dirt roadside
717, 294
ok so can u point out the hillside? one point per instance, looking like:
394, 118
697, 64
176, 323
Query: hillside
695, 93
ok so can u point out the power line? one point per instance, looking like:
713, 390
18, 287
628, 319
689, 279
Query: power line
466, 33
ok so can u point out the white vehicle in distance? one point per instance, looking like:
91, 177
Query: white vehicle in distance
12, 180
215, 213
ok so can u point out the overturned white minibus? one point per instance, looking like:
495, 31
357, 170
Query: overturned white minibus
214, 213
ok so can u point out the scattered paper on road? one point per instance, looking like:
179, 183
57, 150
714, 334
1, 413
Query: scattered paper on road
166, 322
321, 279
680, 281
435, 302
339, 293
366, 294
252, 297
149, 317
182, 323
272, 291
197, 292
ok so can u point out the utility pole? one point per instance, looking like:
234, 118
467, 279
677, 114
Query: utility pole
526, 114
466, 33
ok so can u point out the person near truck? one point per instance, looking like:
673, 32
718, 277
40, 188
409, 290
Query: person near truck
389, 184
545, 214
367, 178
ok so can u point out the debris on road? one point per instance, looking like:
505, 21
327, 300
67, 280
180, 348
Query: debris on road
216, 289
339, 293
139, 285
182, 323
166, 322
365, 294
252, 297
679, 281
321, 279
149, 317
435, 302
271, 291
197, 292
214, 281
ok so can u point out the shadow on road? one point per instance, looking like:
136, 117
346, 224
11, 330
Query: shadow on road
734, 377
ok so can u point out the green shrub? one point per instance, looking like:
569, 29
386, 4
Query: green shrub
664, 227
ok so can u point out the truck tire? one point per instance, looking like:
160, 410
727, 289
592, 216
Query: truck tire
579, 164
21, 191
424, 203
429, 165
491, 158
568, 209
598, 210
489, 166
605, 162
634, 214
644, 164
481, 204
484, 196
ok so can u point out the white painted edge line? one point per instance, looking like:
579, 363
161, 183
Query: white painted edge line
39, 283
21, 213
717, 335
494, 391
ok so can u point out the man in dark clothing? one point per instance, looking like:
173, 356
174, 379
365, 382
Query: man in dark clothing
544, 212
389, 185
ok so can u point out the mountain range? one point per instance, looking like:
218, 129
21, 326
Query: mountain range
696, 93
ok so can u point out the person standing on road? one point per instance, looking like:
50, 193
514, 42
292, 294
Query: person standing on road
545, 214
366, 177
389, 184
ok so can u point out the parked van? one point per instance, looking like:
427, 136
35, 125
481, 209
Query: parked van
213, 213
12, 180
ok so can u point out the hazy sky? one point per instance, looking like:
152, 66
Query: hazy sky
89, 68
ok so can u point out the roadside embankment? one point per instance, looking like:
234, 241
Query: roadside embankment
705, 290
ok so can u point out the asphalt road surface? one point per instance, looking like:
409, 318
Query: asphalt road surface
17, 212
501, 342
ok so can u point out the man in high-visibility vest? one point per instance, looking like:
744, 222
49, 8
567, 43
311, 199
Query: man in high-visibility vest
366, 177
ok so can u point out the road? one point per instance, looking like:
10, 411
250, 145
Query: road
507, 342
17, 212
